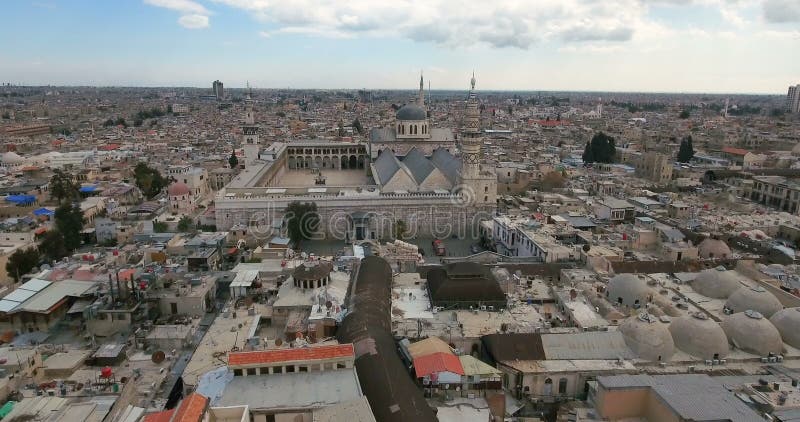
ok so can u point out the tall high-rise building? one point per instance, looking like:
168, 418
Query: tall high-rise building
793, 99
218, 89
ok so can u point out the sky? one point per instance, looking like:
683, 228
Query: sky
715, 46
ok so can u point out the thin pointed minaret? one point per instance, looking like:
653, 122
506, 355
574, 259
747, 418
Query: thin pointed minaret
421, 90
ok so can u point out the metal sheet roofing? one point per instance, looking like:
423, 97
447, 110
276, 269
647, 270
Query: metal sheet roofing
588, 345
695, 397
46, 299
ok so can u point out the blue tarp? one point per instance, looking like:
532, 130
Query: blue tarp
21, 199
88, 189
43, 211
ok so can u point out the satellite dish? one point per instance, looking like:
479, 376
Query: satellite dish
328, 304
278, 342
586, 247
158, 357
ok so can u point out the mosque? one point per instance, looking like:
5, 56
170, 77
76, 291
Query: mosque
410, 172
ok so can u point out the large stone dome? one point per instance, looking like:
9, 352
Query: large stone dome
713, 249
699, 336
717, 283
755, 298
178, 189
628, 290
787, 321
647, 337
753, 333
411, 112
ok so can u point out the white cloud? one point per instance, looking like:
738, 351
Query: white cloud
194, 15
193, 21
499, 23
183, 6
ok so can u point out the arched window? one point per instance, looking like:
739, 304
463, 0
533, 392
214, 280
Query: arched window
562, 386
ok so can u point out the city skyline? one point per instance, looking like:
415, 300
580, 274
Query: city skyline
691, 46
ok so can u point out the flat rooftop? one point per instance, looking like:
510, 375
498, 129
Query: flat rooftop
299, 390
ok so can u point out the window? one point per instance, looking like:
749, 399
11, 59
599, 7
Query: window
277, 370
562, 386
237, 372
251, 371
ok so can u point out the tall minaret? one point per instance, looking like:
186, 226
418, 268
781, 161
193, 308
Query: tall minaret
421, 100
250, 141
481, 186
471, 135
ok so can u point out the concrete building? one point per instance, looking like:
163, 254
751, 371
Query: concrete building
668, 398
655, 167
793, 99
218, 90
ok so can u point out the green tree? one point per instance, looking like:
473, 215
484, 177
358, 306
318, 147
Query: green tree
149, 180
6, 115
302, 221
109, 122
52, 245
232, 160
601, 149
159, 227
62, 187
588, 154
357, 126
341, 129
185, 224
684, 114
400, 229
686, 150
21, 262
121, 122
69, 222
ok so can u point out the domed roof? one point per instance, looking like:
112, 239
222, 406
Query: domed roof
699, 336
648, 338
787, 321
12, 157
628, 290
713, 248
411, 112
717, 283
178, 189
755, 298
753, 333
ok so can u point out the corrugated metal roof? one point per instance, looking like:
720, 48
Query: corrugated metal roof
695, 397
47, 298
584, 346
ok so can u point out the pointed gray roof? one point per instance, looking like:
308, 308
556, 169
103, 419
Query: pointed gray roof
447, 163
386, 165
418, 164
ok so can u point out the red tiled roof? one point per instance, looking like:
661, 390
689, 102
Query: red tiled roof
191, 408
108, 147
164, 416
127, 275
291, 355
735, 151
437, 362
